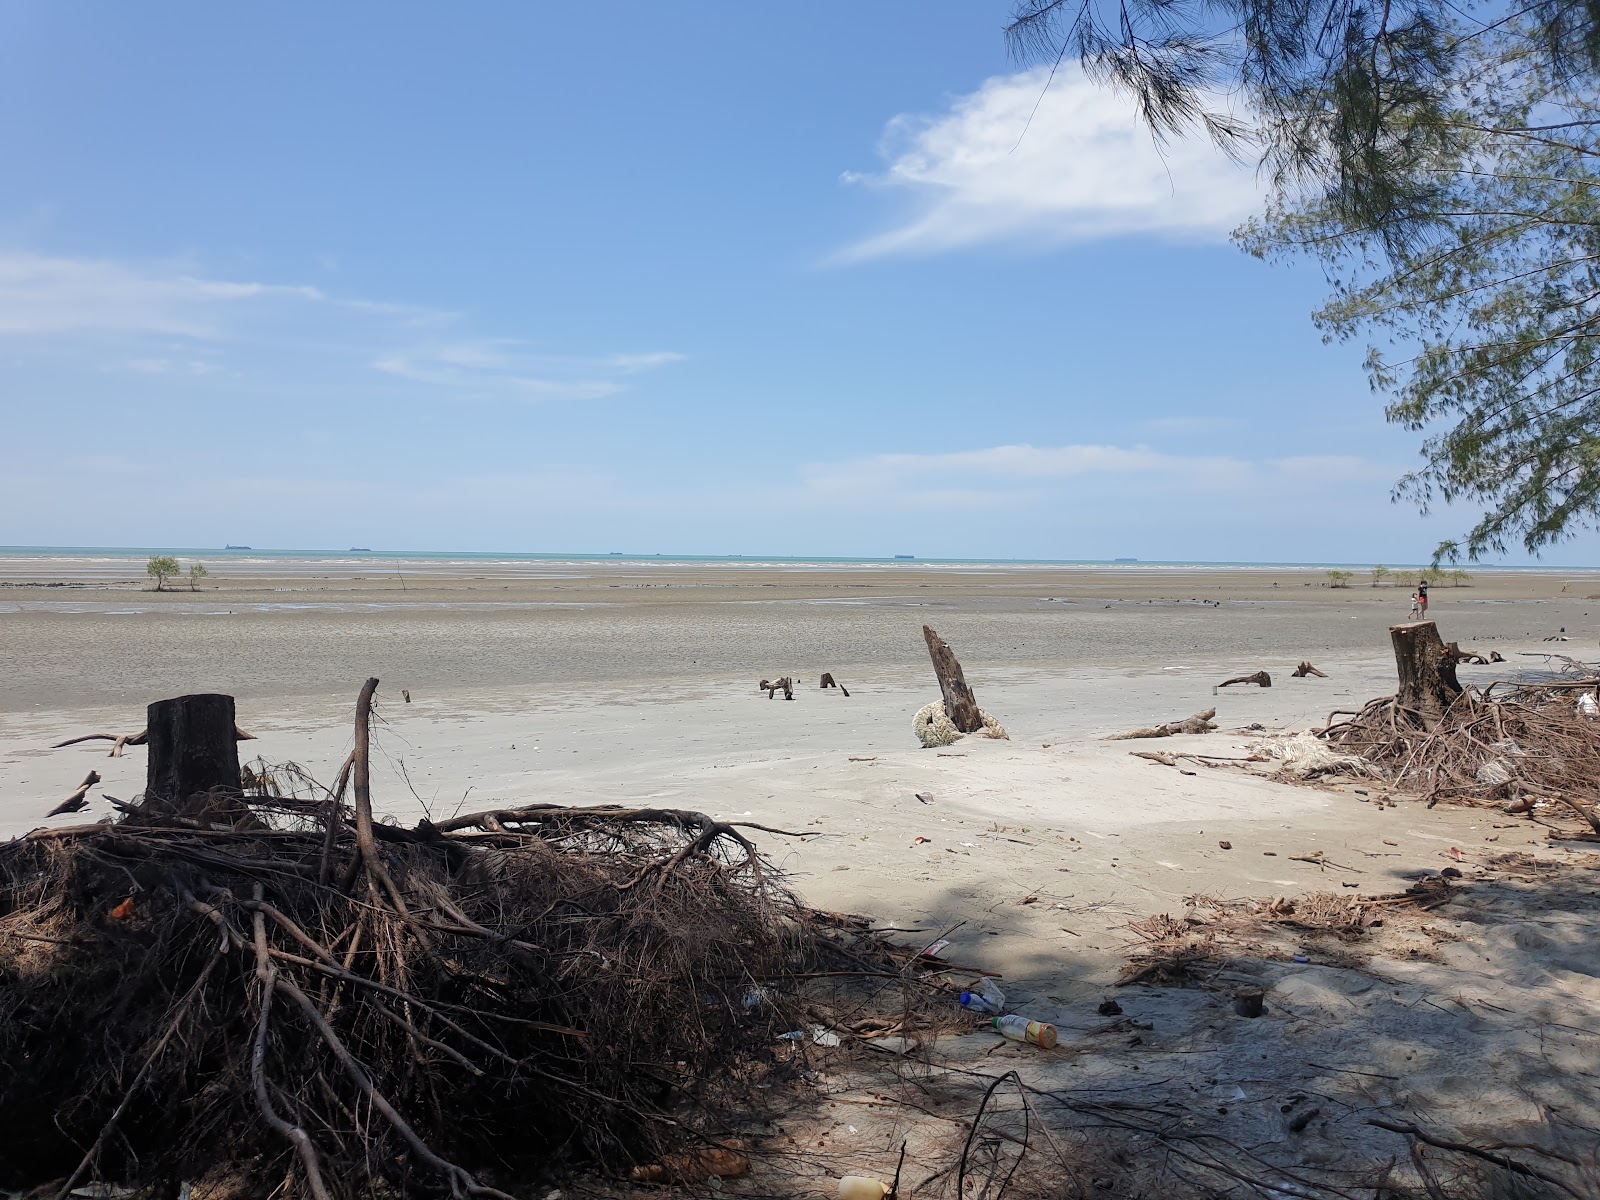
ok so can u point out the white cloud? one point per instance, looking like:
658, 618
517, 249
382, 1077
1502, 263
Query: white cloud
503, 365
1079, 166
645, 362
43, 295
175, 315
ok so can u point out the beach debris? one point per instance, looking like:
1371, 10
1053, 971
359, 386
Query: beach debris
773, 686
1225, 845
1109, 1008
960, 705
920, 841
1457, 654
934, 728
1017, 1028
405, 694
1320, 859
985, 997
79, 800
1305, 669
1190, 948
697, 1166
1200, 722
829, 682
1303, 756
118, 741
862, 1187
275, 981
1493, 745
121, 740
862, 758
1260, 677
925, 797
1250, 1004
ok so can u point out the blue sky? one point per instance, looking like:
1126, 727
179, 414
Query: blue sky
694, 278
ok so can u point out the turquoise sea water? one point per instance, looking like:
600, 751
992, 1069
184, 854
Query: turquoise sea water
90, 553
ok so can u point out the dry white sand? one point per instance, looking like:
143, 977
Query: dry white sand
1485, 1034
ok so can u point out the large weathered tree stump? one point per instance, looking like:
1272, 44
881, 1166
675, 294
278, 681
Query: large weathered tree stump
193, 747
1427, 670
960, 705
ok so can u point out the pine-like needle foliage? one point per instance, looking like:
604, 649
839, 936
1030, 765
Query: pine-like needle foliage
1440, 161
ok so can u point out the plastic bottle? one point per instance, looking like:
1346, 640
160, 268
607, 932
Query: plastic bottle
975, 1003
1020, 1029
862, 1187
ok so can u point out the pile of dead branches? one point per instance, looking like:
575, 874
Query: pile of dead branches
276, 993
1192, 948
1504, 743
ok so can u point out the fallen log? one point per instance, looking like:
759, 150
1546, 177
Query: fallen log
1200, 722
1457, 654
78, 801
1260, 677
771, 686
960, 705
1305, 669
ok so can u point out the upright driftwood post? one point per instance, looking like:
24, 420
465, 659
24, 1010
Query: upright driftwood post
1427, 671
960, 705
193, 747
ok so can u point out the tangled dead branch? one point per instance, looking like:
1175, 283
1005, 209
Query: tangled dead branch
280, 988
1497, 744
1188, 948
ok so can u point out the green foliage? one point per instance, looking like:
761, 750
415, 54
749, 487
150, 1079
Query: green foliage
1441, 160
1355, 100
1380, 575
1339, 579
1483, 330
161, 568
197, 572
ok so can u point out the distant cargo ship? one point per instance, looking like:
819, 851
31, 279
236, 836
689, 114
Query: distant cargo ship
1124, 560
360, 549
905, 556
236, 547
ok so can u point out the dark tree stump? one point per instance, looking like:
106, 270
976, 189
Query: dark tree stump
960, 705
193, 747
1426, 669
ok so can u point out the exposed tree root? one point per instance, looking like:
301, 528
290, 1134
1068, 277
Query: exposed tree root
334, 1006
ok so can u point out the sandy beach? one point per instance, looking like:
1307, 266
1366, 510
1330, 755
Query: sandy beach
637, 683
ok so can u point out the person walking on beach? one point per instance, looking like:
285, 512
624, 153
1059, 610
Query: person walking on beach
1419, 602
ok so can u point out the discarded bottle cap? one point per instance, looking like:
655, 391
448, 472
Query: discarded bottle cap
862, 1187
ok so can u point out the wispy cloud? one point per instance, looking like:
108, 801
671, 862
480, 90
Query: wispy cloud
43, 295
506, 366
1030, 160
179, 320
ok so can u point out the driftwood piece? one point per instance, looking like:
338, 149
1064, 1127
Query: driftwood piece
1260, 677
193, 744
120, 740
828, 681
771, 686
1426, 670
78, 801
1201, 722
1305, 669
960, 705
1457, 654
